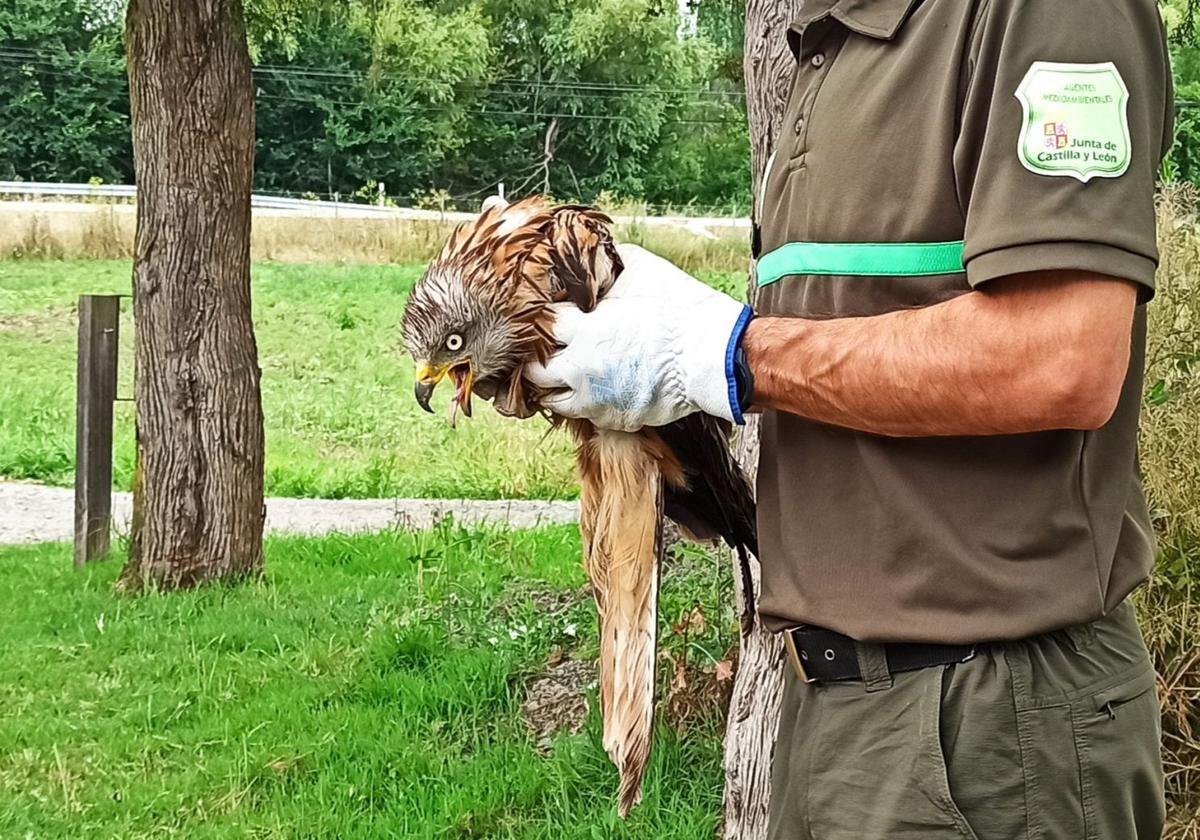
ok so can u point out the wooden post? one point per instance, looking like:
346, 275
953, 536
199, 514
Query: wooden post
96, 389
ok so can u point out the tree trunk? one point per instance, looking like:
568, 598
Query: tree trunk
198, 496
758, 687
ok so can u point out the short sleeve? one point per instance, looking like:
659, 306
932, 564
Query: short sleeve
1067, 112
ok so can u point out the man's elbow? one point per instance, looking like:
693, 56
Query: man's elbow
1077, 355
1089, 386
1096, 407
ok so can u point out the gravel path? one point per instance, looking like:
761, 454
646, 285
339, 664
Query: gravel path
35, 513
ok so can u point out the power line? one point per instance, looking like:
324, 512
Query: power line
296, 69
526, 88
301, 71
498, 113
504, 96
48, 68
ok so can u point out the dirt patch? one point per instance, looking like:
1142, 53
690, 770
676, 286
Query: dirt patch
698, 694
556, 701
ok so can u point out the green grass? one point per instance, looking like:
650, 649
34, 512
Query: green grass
369, 688
341, 421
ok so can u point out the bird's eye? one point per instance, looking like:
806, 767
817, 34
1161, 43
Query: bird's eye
454, 342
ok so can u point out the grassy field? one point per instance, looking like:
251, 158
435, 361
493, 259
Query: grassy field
341, 421
369, 688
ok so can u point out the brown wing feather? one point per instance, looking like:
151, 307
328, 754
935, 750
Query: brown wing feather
583, 256
542, 255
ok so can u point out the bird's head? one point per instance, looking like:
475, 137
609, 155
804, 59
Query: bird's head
454, 329
479, 310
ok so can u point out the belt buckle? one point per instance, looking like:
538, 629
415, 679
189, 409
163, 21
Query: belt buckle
794, 656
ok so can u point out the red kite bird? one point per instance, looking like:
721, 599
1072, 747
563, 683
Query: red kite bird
480, 313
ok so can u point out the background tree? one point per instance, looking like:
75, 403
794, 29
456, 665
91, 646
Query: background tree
617, 90
577, 97
362, 92
198, 497
66, 113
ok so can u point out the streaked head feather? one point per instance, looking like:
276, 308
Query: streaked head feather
499, 273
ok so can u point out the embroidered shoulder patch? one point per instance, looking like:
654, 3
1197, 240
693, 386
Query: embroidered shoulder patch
1074, 120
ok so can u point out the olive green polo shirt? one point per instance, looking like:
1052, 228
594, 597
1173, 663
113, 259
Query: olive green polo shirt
1022, 135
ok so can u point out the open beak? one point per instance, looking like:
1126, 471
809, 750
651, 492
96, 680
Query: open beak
428, 376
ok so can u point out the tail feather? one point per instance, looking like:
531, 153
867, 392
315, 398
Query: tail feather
621, 522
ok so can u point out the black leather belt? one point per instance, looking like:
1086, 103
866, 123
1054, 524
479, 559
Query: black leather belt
820, 655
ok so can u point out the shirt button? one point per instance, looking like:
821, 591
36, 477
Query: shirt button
817, 60
799, 126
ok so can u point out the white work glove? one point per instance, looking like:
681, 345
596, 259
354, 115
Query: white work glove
658, 347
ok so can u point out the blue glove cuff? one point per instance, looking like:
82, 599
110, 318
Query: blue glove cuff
735, 339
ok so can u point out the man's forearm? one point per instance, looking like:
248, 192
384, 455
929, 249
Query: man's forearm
1045, 351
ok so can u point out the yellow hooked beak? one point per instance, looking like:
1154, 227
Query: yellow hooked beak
429, 375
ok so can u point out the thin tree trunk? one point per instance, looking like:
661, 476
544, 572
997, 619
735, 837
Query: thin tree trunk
198, 506
758, 688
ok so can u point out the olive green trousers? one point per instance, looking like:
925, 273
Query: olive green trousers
1051, 738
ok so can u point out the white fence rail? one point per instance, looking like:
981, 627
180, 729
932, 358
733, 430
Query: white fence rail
32, 189
312, 208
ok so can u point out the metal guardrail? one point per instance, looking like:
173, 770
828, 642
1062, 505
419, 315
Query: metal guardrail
317, 208
32, 188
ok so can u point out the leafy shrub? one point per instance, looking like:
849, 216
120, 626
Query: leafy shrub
1170, 450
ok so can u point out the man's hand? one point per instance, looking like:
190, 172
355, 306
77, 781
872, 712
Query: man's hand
657, 348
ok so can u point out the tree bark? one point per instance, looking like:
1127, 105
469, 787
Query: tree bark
198, 496
758, 688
